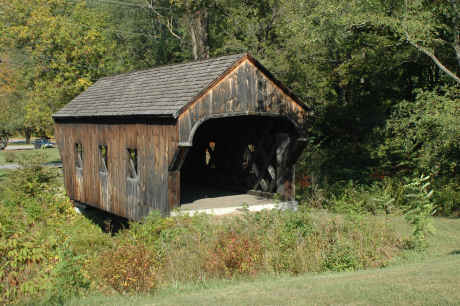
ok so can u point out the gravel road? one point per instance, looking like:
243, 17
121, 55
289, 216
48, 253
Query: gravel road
9, 167
19, 147
15, 166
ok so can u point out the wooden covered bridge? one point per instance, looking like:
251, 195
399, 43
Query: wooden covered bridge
134, 142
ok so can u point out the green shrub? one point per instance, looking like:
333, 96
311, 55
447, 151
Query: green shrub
66, 279
420, 210
31, 179
43, 242
446, 198
380, 198
342, 257
420, 134
34, 258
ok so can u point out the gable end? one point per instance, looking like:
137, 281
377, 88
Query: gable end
243, 90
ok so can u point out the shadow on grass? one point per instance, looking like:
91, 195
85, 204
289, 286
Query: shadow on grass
456, 252
109, 223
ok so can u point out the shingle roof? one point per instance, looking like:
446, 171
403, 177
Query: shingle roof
158, 91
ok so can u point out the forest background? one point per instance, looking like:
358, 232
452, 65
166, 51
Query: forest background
381, 77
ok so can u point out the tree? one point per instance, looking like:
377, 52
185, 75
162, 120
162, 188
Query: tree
193, 15
10, 104
60, 48
253, 26
431, 26
351, 65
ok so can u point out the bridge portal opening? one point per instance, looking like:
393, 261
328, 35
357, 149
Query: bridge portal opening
237, 160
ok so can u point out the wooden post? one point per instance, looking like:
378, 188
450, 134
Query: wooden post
286, 183
174, 195
284, 169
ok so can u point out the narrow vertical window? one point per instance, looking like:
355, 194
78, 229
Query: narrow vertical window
103, 158
132, 163
78, 155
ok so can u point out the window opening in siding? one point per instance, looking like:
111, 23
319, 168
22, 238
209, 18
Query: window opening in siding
103, 158
79, 155
132, 163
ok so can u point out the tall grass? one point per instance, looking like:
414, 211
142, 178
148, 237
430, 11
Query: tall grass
201, 248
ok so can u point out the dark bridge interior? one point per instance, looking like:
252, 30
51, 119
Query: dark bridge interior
236, 154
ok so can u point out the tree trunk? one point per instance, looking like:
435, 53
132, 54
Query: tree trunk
3, 140
457, 50
28, 135
198, 27
456, 25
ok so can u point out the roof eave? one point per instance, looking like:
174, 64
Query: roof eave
138, 116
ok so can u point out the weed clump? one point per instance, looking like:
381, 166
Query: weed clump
126, 269
233, 254
10, 156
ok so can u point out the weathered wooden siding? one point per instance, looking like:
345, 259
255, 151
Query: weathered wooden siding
244, 91
114, 191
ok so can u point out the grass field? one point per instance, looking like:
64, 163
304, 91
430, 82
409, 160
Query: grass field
52, 155
430, 278
3, 174
434, 282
